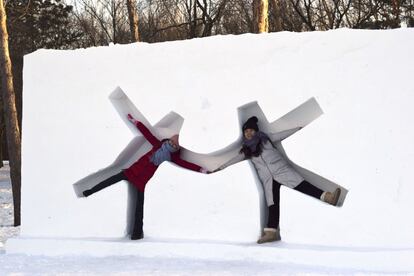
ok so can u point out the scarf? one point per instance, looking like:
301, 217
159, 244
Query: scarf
258, 138
162, 154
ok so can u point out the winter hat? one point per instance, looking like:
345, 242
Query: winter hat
251, 123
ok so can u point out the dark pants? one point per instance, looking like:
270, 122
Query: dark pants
139, 207
137, 232
274, 210
106, 183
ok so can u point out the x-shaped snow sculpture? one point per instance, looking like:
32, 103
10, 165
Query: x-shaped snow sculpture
171, 124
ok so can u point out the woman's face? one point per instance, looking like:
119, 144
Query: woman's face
249, 133
174, 143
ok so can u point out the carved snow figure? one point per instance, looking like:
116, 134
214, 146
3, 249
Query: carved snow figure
144, 168
273, 171
171, 124
139, 160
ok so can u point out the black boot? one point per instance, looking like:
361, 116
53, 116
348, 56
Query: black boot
137, 232
137, 235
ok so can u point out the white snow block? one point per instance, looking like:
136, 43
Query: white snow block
172, 123
364, 142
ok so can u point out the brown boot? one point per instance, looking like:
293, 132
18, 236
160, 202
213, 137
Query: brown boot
270, 235
332, 198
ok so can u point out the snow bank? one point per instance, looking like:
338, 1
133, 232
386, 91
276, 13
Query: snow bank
361, 79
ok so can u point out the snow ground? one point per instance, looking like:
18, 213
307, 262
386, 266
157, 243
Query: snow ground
6, 201
6, 207
136, 265
188, 257
172, 257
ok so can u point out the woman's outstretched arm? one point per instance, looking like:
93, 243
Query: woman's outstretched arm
188, 165
236, 159
145, 131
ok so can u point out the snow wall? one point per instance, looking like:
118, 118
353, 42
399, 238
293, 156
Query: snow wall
361, 79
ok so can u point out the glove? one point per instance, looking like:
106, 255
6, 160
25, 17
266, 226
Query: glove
131, 119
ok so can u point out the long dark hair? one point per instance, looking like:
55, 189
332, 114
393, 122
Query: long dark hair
248, 153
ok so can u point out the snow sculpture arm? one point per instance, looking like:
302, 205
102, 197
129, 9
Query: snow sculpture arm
236, 159
279, 136
188, 165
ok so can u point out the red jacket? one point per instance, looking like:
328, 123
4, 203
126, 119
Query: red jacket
142, 170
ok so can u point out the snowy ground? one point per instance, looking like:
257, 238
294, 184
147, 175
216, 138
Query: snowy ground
191, 257
131, 265
6, 207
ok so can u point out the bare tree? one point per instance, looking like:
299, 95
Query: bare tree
305, 10
103, 21
277, 8
12, 125
330, 15
181, 19
133, 20
260, 15
211, 14
1, 129
238, 17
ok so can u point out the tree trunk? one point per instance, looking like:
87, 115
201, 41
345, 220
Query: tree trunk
133, 20
194, 23
260, 13
10, 114
396, 12
1, 132
278, 16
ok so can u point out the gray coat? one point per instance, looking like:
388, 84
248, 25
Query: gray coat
271, 165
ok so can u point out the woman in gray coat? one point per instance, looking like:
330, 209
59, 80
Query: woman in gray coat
274, 171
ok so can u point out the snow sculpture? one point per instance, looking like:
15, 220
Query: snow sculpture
172, 123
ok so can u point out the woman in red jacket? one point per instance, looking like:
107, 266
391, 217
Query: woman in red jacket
142, 170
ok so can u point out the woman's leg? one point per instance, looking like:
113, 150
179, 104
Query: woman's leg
309, 189
328, 197
272, 233
137, 232
106, 183
274, 210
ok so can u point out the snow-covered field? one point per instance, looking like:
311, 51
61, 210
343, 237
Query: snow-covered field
208, 224
6, 207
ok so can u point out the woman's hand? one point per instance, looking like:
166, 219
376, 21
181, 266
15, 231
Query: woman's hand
131, 119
